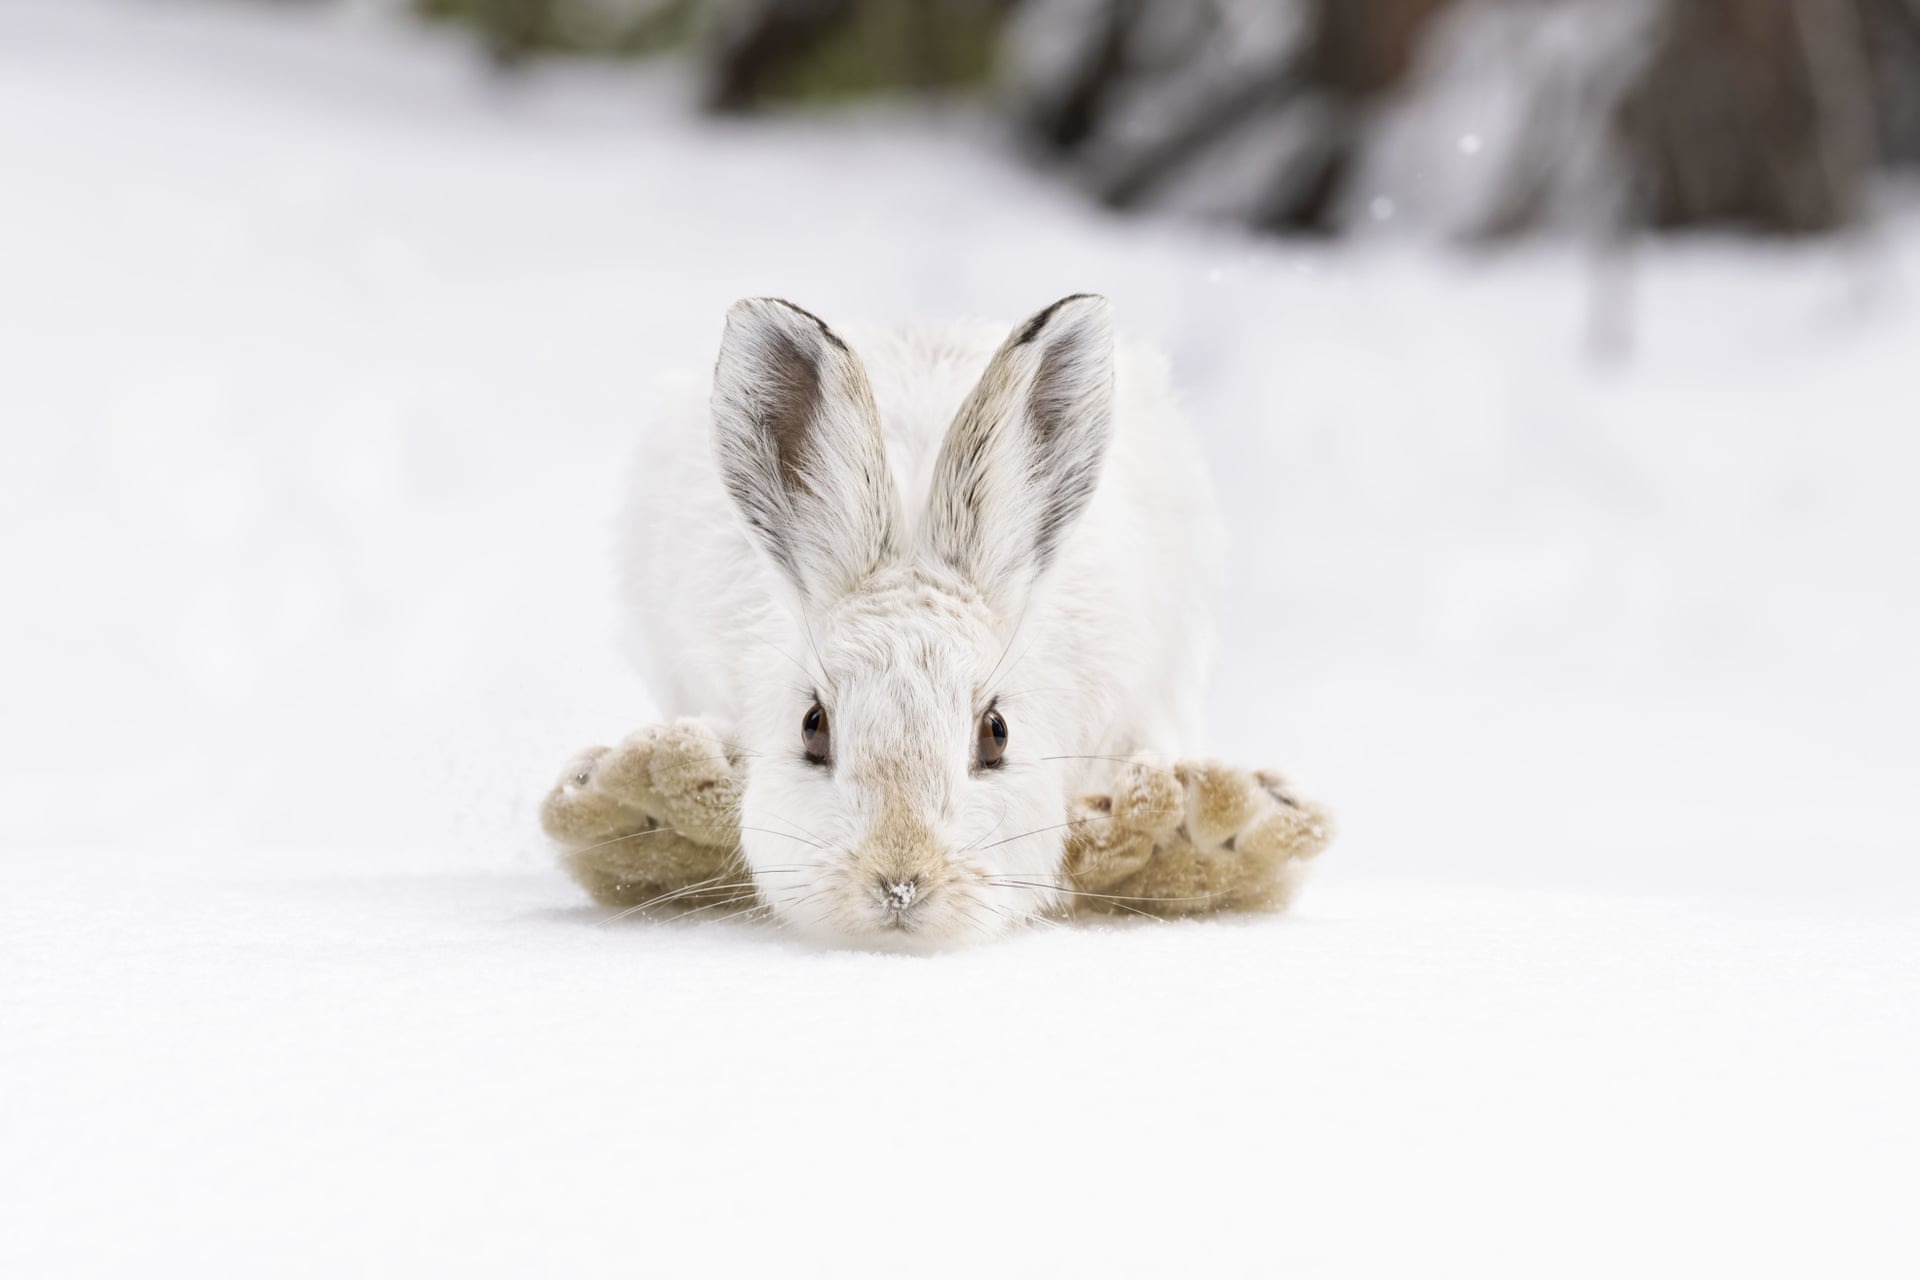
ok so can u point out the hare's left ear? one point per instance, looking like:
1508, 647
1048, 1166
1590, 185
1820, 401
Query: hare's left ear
1024, 453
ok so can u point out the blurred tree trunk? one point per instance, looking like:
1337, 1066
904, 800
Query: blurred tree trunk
1767, 114
1360, 48
1348, 52
1356, 51
1752, 112
1064, 113
1891, 33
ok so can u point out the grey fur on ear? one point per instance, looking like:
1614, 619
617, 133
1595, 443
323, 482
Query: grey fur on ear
1024, 453
797, 439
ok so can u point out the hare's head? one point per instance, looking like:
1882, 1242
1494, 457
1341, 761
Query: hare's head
900, 787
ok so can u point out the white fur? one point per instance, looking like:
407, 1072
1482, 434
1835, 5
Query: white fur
907, 595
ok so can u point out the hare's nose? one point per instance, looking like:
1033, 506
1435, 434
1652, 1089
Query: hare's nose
899, 894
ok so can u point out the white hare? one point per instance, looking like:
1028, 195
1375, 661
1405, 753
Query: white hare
928, 586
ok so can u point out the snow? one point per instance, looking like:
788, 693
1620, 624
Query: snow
323, 1074
1582, 587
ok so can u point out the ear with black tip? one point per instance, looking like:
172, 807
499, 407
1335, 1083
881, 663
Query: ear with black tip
797, 439
1024, 453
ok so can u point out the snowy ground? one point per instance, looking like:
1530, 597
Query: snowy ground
321, 1074
321, 359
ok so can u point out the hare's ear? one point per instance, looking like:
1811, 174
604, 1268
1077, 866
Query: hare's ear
797, 439
1024, 453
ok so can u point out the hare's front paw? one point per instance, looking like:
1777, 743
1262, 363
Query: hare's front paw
652, 818
1111, 837
683, 774
580, 811
697, 775
1195, 837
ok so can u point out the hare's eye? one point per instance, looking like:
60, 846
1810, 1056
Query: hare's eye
813, 734
992, 741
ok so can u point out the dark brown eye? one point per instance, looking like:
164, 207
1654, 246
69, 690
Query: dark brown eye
992, 743
813, 734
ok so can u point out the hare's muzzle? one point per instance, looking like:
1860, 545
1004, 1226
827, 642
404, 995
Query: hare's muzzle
898, 895
901, 871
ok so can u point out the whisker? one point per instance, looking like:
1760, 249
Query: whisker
736, 893
823, 843
675, 831
815, 681
1117, 904
1071, 822
1127, 759
735, 915
788, 835
978, 924
636, 910
1034, 917
1112, 897
709, 885
631, 835
1011, 637
825, 683
970, 845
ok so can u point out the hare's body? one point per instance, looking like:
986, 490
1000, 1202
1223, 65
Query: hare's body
826, 532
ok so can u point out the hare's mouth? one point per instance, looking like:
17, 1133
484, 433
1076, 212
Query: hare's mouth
901, 906
915, 918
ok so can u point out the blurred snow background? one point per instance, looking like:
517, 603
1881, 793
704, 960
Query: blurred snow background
1579, 576
327, 352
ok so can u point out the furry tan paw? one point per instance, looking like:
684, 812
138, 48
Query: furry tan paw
1194, 837
653, 820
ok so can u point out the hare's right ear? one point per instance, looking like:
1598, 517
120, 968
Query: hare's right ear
797, 439
1023, 455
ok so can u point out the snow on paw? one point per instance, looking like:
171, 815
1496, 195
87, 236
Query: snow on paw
1147, 797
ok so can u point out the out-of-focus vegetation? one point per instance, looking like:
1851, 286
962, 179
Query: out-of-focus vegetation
514, 30
519, 29
757, 54
1770, 115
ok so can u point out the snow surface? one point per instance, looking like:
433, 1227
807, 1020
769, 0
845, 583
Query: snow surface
323, 1074
322, 352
